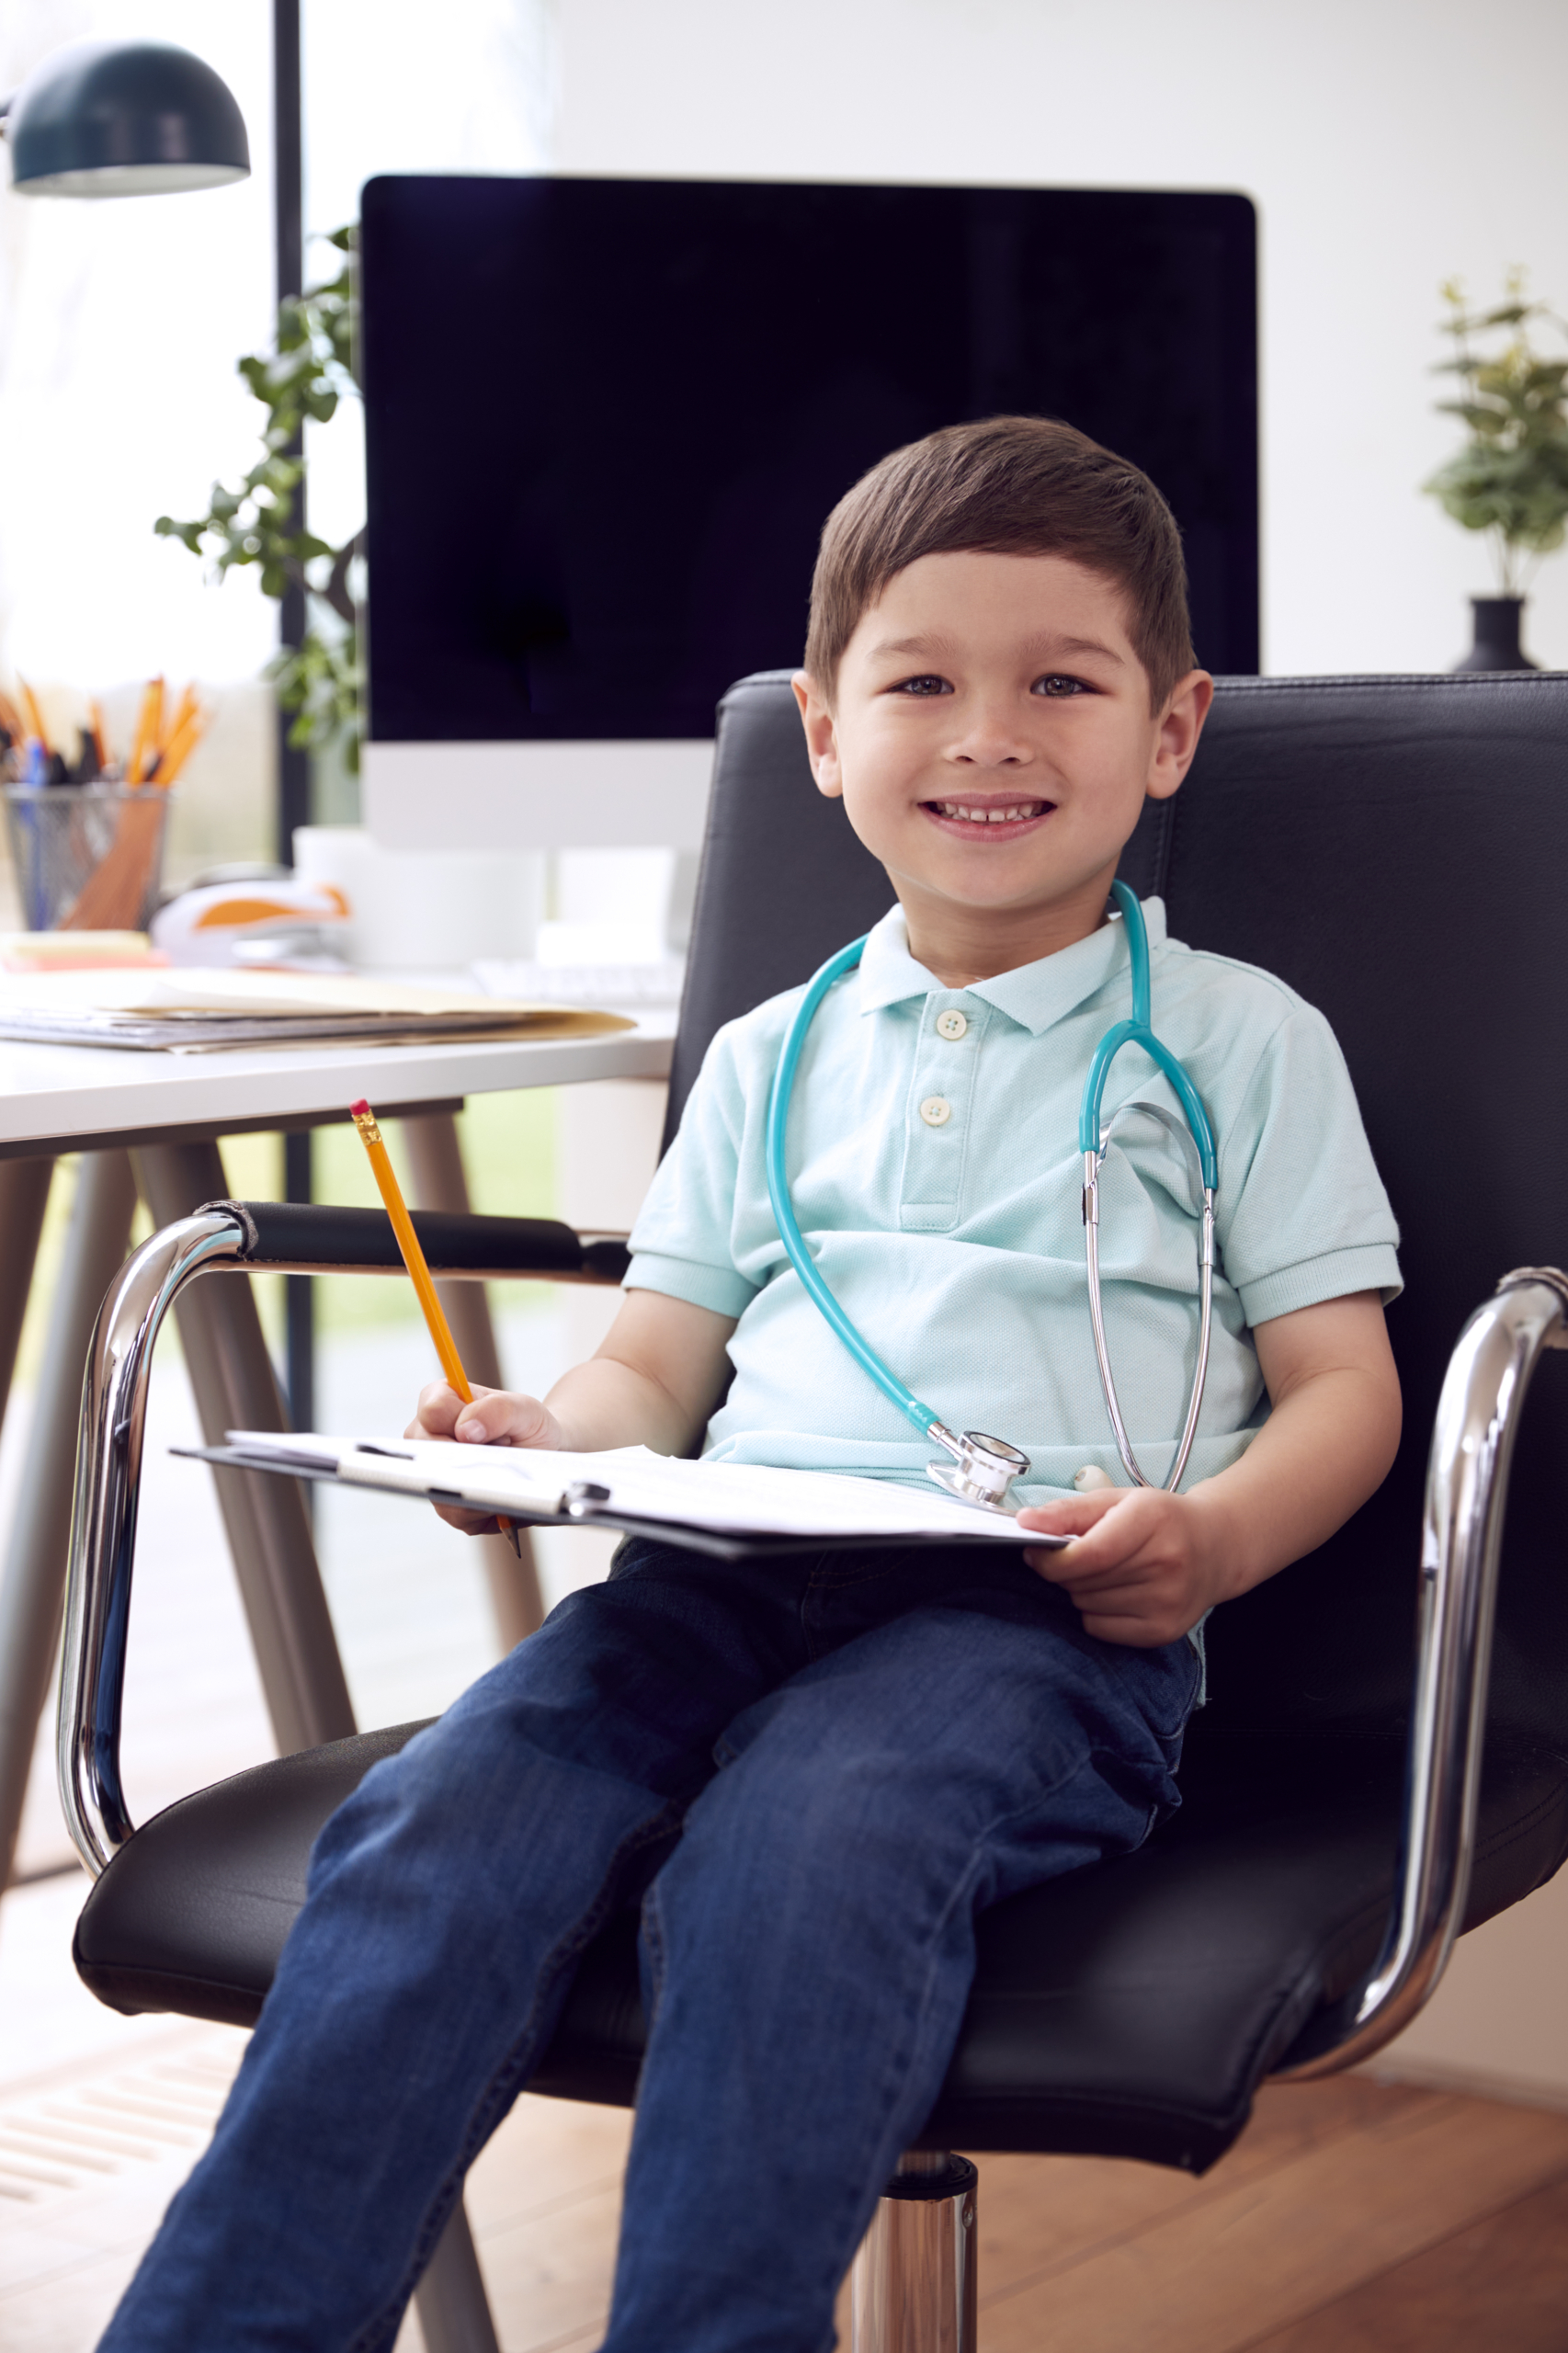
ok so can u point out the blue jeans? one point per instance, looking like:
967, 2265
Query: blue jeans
813, 1773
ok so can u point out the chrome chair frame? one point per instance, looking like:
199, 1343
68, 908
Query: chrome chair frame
929, 2239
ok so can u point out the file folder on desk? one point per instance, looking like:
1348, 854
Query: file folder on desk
728, 1510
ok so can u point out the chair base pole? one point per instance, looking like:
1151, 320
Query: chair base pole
914, 2288
454, 2311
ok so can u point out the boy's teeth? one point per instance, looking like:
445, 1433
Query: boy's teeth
990, 816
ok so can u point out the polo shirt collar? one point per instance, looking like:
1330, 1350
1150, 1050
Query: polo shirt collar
1034, 995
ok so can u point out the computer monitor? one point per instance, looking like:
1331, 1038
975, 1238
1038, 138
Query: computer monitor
605, 421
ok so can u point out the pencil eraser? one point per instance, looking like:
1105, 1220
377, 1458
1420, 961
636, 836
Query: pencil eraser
360, 1110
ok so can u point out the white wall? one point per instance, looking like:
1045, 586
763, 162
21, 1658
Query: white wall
1389, 143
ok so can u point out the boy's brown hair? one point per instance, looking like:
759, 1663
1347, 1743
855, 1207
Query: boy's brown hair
1008, 486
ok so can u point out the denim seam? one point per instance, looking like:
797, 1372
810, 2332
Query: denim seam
493, 2102
657, 1951
961, 1892
896, 2075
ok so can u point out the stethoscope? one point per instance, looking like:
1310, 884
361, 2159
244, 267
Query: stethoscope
981, 1469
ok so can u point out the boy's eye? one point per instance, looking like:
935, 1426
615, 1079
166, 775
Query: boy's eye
1055, 684
926, 685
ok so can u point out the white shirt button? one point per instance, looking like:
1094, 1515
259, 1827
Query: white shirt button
951, 1024
936, 1111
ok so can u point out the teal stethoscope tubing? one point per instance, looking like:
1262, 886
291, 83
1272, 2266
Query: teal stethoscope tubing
1138, 1032
1135, 1032
790, 1233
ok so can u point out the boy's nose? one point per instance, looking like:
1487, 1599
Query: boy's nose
991, 743
988, 733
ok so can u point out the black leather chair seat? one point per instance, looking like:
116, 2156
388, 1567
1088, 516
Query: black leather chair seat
1126, 2010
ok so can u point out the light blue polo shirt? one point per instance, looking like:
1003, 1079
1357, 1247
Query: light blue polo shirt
936, 1178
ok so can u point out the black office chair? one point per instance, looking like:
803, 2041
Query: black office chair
1394, 849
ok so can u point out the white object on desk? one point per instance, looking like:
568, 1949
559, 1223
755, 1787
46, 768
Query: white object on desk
656, 982
213, 925
425, 910
536, 796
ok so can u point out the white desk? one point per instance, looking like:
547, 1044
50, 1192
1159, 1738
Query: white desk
75, 1098
169, 1110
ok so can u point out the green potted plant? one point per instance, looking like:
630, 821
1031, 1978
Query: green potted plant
312, 368
1510, 479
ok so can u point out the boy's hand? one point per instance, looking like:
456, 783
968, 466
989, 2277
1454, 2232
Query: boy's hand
1146, 1565
1143, 1568
497, 1417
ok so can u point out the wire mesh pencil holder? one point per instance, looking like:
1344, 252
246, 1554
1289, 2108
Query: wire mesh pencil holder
87, 856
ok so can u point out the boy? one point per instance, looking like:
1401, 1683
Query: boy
814, 1773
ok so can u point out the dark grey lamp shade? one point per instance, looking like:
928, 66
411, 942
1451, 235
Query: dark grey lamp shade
109, 118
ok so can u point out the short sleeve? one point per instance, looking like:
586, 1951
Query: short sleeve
1300, 1212
682, 1242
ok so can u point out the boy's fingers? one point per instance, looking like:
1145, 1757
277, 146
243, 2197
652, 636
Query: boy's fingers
436, 1412
1074, 1515
497, 1417
1134, 1634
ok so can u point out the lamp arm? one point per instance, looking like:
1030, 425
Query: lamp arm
103, 1521
1467, 1489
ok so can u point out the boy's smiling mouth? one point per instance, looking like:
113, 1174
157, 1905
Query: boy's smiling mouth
998, 815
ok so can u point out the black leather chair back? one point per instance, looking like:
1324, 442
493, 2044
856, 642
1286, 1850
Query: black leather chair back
1397, 849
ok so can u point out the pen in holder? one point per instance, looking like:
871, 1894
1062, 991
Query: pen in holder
88, 857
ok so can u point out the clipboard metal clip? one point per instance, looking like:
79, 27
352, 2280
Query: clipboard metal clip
582, 1499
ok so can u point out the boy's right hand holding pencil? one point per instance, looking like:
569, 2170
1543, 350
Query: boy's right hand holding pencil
655, 1381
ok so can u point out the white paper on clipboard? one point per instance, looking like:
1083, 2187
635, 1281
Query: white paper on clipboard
630, 1484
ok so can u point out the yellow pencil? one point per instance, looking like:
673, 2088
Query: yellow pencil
441, 1331
183, 740
148, 726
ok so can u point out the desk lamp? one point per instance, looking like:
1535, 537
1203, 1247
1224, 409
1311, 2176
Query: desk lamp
117, 117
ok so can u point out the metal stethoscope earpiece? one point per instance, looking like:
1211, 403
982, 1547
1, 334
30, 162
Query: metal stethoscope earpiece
982, 1469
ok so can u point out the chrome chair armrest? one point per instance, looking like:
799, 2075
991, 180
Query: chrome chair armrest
103, 1519
243, 1237
1467, 1492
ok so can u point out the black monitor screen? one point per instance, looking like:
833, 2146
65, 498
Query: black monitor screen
606, 419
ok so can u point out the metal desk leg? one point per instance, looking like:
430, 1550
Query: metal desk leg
440, 1183
270, 1536
35, 1565
24, 1196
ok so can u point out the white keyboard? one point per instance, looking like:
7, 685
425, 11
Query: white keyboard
592, 985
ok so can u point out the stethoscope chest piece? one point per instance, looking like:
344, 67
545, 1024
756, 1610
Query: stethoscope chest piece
982, 1468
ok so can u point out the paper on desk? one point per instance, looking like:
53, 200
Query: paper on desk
729, 1498
205, 1007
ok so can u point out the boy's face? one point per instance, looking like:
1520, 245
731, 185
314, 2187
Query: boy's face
992, 740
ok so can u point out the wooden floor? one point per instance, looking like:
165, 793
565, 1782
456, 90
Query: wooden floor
1352, 2217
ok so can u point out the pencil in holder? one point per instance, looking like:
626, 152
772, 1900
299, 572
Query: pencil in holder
87, 856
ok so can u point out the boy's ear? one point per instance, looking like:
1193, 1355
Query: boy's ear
1176, 737
822, 735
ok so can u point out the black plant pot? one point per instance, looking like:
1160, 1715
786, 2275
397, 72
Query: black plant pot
1496, 643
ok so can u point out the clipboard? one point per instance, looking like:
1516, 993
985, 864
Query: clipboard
705, 1508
